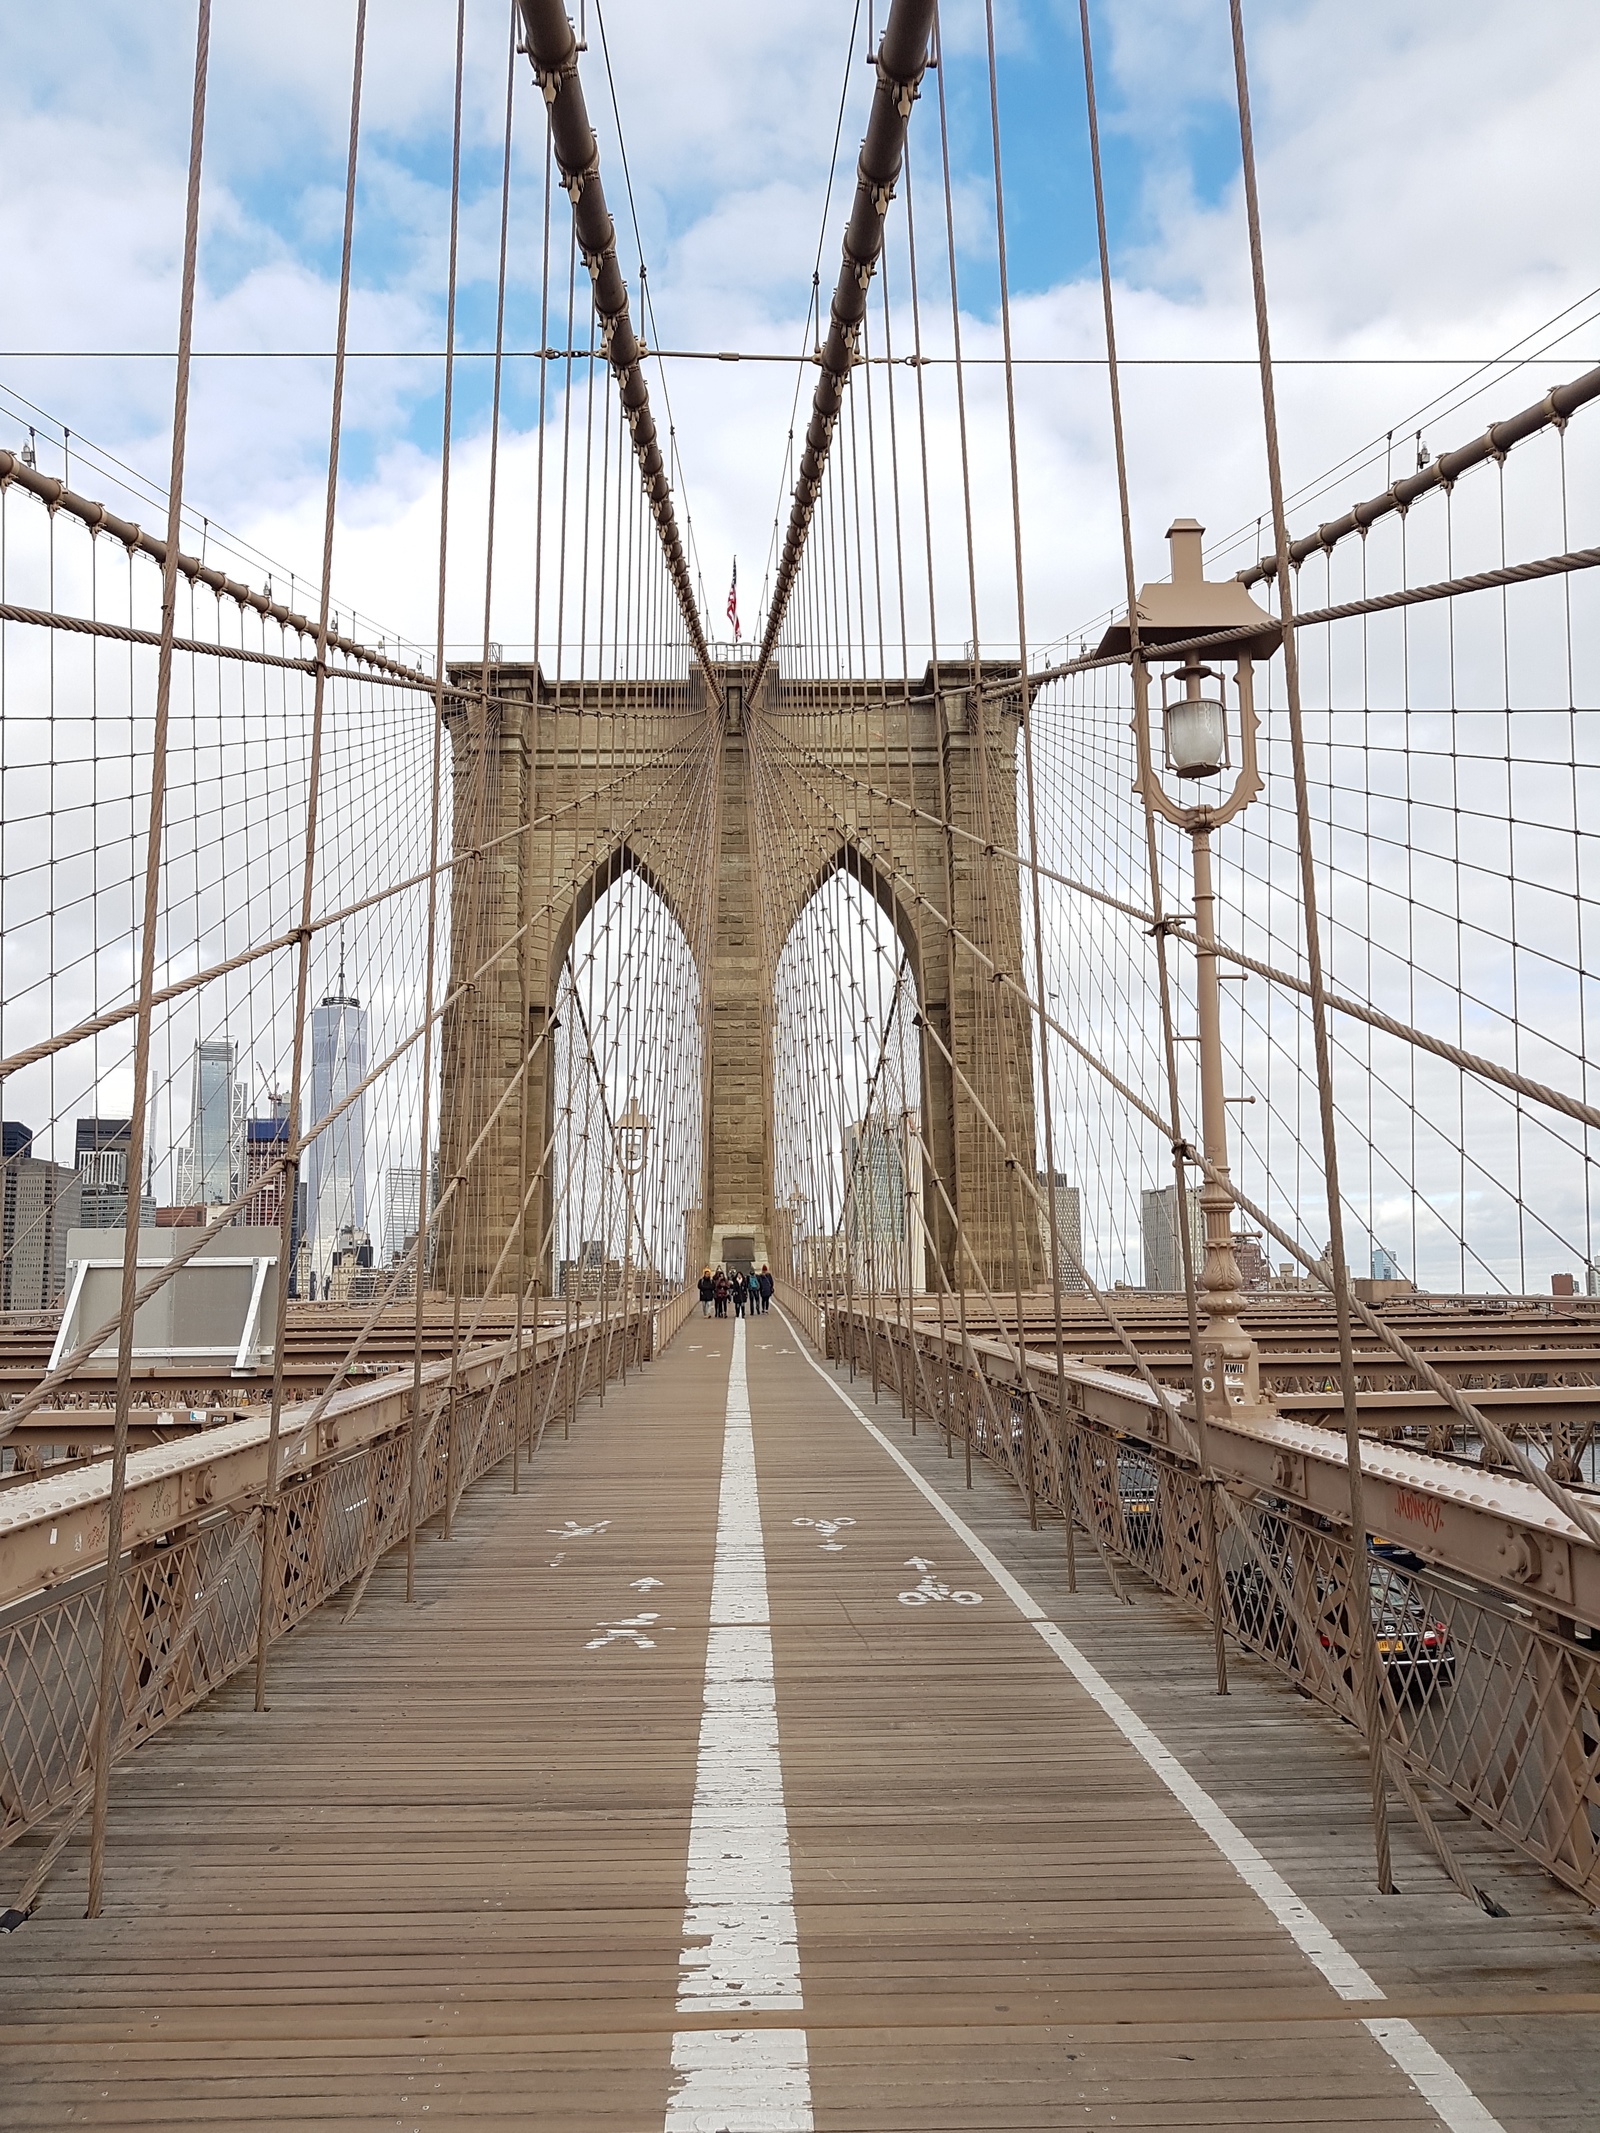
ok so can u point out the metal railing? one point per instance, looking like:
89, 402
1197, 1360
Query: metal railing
191, 1596
1491, 1702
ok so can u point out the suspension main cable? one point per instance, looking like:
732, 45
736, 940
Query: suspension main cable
901, 60
553, 50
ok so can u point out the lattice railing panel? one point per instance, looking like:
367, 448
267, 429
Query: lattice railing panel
1480, 1700
190, 1609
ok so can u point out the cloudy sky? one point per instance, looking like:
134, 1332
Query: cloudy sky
1424, 173
1427, 177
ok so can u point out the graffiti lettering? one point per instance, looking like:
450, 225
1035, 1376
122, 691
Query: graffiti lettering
1420, 1510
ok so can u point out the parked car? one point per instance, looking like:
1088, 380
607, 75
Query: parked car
1136, 1485
1413, 1648
1259, 1615
1395, 1552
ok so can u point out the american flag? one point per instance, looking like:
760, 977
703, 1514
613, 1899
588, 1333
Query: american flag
733, 600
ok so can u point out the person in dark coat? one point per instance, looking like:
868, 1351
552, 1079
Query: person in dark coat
741, 1293
764, 1284
708, 1293
719, 1291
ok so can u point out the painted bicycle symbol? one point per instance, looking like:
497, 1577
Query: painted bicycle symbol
928, 1587
631, 1631
828, 1527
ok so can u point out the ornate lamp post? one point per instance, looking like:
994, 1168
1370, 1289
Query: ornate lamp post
1197, 748
633, 1138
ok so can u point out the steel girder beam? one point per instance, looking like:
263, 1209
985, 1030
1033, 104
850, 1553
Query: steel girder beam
54, 1528
1493, 1528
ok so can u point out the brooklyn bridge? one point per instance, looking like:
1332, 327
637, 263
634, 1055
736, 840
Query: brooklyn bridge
825, 1361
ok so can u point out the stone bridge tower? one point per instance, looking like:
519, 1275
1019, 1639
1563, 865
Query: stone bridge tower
868, 777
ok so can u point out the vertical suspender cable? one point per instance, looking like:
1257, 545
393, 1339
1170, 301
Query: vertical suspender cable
1357, 1606
1028, 782
1140, 675
522, 1046
471, 1047
987, 1064
553, 50
291, 1175
950, 1197
107, 1702
425, 1122
530, 803
900, 61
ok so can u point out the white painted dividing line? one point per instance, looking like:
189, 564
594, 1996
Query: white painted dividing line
741, 1945
1435, 2079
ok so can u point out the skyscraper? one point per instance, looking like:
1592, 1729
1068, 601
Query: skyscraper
335, 1162
402, 1195
264, 1142
38, 1205
1069, 1228
883, 1176
100, 1159
1163, 1250
211, 1161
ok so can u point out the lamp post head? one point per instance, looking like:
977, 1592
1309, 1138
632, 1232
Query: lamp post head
1174, 625
1192, 605
633, 1137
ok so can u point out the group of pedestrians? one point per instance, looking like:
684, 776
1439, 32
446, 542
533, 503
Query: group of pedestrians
719, 1287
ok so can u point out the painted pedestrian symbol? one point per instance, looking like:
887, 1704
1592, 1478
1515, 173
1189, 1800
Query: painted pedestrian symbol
632, 1631
828, 1527
572, 1531
645, 1585
928, 1587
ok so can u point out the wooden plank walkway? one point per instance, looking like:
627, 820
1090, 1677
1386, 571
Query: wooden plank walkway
442, 1882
